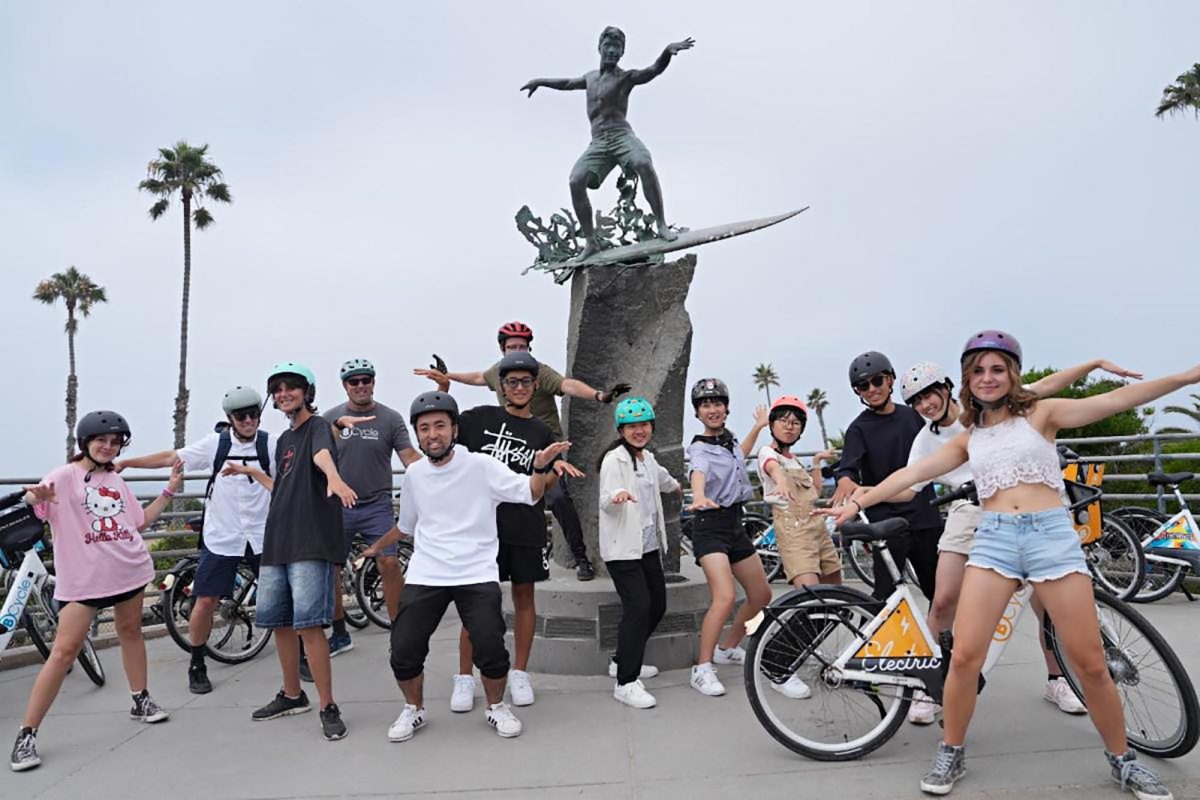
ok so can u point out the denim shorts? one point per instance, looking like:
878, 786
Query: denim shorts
372, 519
297, 595
1042, 546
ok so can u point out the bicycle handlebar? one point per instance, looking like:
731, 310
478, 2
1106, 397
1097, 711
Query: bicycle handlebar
964, 492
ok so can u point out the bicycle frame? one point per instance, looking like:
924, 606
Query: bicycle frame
26, 584
1180, 534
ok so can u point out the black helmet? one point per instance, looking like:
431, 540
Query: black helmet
709, 389
98, 423
433, 401
519, 361
868, 364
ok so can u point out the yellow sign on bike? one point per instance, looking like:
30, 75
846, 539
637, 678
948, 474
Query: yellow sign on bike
899, 636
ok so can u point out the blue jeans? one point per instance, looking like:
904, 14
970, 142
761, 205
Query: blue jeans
297, 595
1042, 546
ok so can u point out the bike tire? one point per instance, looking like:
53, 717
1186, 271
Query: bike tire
756, 527
1162, 716
89, 659
352, 612
177, 602
861, 563
802, 633
42, 635
368, 588
234, 638
1158, 579
1116, 560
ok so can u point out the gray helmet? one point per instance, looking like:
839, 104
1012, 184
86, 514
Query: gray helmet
868, 364
519, 361
240, 397
709, 389
98, 423
432, 401
357, 366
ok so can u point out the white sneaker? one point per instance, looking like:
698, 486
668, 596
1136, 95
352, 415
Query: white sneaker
734, 655
501, 717
923, 711
1059, 692
634, 695
793, 687
463, 697
406, 724
647, 671
705, 681
520, 689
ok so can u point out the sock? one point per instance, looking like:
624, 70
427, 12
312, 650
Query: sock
28, 730
197, 655
1052, 677
339, 627
707, 665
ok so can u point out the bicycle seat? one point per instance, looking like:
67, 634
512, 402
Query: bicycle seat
875, 531
1169, 478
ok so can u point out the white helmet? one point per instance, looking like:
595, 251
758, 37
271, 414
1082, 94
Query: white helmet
921, 376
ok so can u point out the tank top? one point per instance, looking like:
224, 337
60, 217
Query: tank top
1009, 453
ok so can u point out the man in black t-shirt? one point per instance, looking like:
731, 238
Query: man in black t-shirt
877, 444
512, 435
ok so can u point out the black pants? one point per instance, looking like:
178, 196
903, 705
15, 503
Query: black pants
919, 547
564, 511
643, 592
422, 609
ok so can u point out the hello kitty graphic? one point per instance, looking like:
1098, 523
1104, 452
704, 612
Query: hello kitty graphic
104, 504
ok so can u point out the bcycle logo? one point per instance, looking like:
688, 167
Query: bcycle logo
9, 619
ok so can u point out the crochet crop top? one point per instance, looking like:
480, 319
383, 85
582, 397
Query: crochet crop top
1009, 453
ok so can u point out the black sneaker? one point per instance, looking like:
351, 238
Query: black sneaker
24, 752
331, 723
949, 764
305, 672
198, 682
146, 710
584, 571
282, 706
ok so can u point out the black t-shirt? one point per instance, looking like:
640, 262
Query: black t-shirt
513, 441
876, 446
303, 524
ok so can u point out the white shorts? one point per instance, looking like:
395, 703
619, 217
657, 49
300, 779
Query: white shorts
961, 522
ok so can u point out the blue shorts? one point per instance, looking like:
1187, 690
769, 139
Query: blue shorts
1041, 546
297, 595
215, 575
371, 519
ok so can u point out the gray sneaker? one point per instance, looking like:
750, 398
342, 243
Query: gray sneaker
24, 753
146, 710
949, 764
1129, 772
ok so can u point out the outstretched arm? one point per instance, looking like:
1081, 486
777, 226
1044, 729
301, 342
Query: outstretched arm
562, 84
1055, 382
1056, 414
640, 76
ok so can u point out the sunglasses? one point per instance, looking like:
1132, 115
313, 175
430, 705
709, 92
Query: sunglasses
364, 381
243, 414
515, 383
874, 380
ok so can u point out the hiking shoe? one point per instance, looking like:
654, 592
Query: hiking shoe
1129, 772
501, 717
463, 697
305, 672
520, 689
793, 687
282, 706
704, 681
406, 724
332, 726
146, 710
24, 753
633, 695
1059, 692
923, 711
584, 571
647, 671
339, 643
949, 764
198, 682
732, 655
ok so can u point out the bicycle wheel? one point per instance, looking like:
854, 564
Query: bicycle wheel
41, 623
1159, 579
90, 661
1116, 560
803, 633
234, 638
1162, 717
177, 601
368, 589
353, 613
858, 555
756, 528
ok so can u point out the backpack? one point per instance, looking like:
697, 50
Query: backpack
224, 445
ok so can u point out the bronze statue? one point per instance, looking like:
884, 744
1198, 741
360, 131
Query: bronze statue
613, 141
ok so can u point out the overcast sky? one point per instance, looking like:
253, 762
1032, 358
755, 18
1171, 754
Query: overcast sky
967, 165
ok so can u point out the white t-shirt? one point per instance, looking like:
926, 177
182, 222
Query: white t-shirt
237, 511
927, 443
770, 489
450, 510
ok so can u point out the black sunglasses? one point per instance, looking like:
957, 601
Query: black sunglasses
360, 381
513, 383
243, 414
874, 380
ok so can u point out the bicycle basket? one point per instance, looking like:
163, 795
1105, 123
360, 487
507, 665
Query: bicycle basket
20, 529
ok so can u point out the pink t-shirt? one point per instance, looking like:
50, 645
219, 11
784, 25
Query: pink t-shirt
98, 551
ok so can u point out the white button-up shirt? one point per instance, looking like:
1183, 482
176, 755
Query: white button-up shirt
236, 513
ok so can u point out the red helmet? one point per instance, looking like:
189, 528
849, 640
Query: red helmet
514, 330
788, 402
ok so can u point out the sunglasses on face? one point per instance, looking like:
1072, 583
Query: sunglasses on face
874, 380
364, 381
243, 414
518, 383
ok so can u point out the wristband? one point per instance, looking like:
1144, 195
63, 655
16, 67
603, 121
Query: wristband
545, 469
599, 394
860, 508
167, 493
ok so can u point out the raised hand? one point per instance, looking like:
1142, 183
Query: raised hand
437, 376
676, 47
531, 87
762, 416
823, 456
562, 468
616, 391
41, 493
439, 365
543, 457
175, 483
349, 421
1113, 369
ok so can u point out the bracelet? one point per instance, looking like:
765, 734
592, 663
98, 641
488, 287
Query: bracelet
860, 508
167, 493
599, 394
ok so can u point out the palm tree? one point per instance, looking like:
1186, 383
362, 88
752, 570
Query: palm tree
1183, 95
817, 403
185, 170
1193, 413
78, 293
765, 377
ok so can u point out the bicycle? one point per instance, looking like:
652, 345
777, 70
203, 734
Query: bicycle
864, 659
1170, 543
29, 599
368, 584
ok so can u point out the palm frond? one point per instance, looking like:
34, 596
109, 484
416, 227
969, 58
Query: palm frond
202, 218
159, 208
219, 192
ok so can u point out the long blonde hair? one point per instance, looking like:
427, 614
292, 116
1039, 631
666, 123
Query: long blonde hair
1019, 402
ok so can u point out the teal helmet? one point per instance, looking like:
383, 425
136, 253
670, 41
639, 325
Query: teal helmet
357, 366
633, 409
240, 397
293, 368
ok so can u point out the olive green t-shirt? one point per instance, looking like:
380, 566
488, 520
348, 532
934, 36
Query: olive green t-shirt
543, 405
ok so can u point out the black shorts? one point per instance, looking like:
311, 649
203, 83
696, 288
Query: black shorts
215, 576
720, 530
107, 602
523, 563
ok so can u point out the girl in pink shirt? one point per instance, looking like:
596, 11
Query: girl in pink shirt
100, 561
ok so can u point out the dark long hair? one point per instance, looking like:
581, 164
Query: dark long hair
620, 442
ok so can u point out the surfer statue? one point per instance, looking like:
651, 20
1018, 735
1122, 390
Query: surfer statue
613, 141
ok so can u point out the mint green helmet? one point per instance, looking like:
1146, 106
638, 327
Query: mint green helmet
240, 397
294, 368
633, 409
